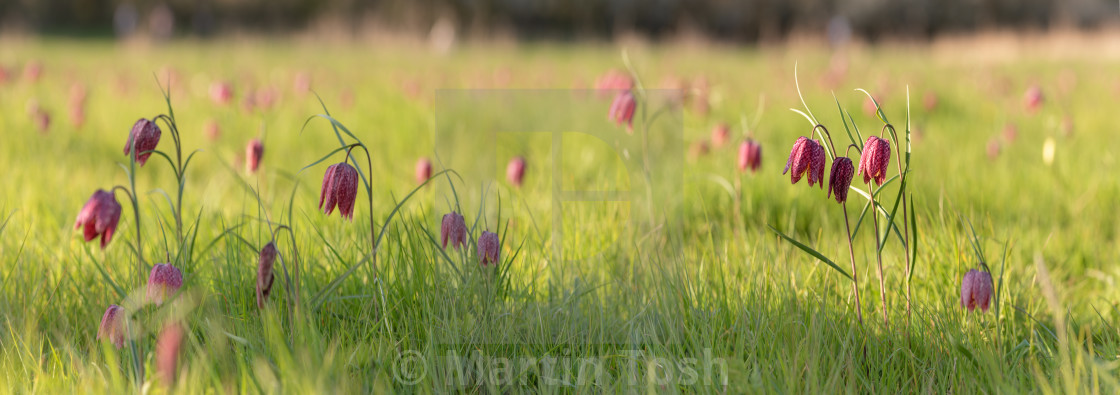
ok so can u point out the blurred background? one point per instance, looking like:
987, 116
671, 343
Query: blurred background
743, 21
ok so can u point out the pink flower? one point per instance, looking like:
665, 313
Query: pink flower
993, 148
930, 101
875, 160
99, 217
423, 170
340, 188
1033, 99
212, 130
976, 290
488, 248
613, 81
622, 110
264, 273
221, 93
750, 155
700, 148
1010, 133
145, 134
453, 229
167, 352
721, 134
253, 153
515, 171
840, 178
807, 156
302, 83
164, 280
112, 326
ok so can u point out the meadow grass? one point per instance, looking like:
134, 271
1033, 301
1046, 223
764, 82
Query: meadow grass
700, 287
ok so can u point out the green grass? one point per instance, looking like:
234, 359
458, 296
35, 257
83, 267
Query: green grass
636, 298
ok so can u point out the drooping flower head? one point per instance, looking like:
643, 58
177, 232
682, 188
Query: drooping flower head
1033, 99
164, 280
221, 92
807, 156
167, 352
488, 246
145, 135
515, 171
99, 217
340, 188
265, 276
840, 178
453, 229
976, 290
423, 170
622, 110
112, 326
750, 155
613, 81
874, 160
721, 134
253, 153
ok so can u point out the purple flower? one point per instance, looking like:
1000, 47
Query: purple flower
99, 217
164, 280
340, 188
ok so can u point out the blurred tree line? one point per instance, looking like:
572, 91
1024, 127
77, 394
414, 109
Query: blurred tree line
734, 20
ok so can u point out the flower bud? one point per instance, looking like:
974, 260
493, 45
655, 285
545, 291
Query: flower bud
265, 277
423, 170
840, 178
253, 153
145, 135
515, 171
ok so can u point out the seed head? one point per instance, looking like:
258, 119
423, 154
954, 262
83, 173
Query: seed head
99, 217
453, 229
875, 159
976, 290
264, 273
488, 248
145, 134
163, 281
515, 171
840, 178
112, 326
253, 153
340, 188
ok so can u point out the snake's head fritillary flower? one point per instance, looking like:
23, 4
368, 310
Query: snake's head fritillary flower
99, 217
265, 276
253, 153
874, 160
840, 178
164, 280
750, 155
993, 148
453, 229
212, 130
42, 120
423, 170
340, 188
1033, 99
1010, 133
145, 135
515, 171
167, 352
221, 92
613, 81
976, 290
721, 134
700, 148
806, 157
302, 83
622, 110
488, 246
930, 101
112, 326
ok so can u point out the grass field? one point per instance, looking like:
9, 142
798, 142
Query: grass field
679, 290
